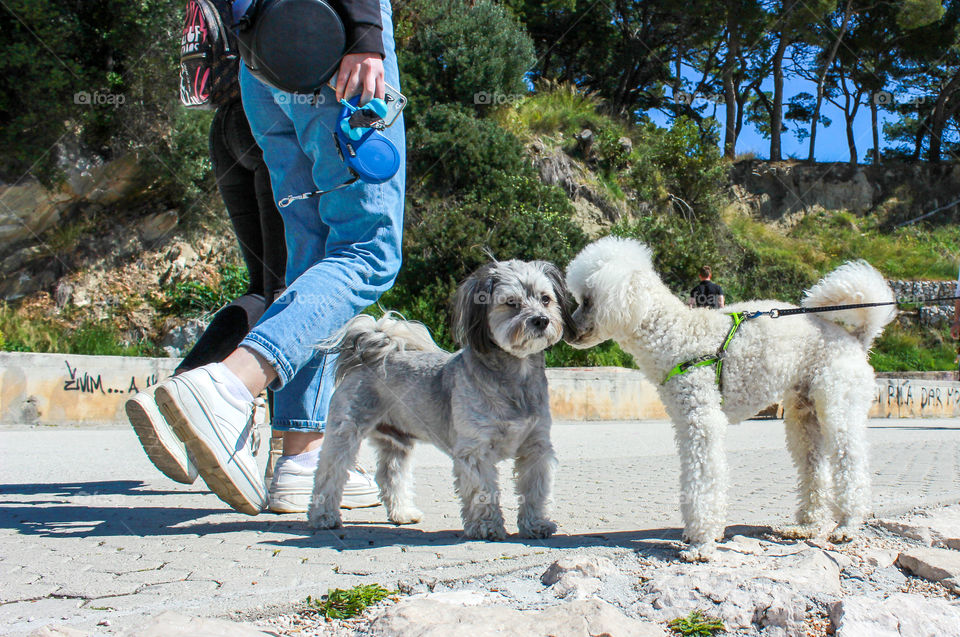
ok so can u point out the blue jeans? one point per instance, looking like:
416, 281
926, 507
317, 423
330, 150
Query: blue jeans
343, 248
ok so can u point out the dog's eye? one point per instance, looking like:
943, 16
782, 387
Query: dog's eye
512, 302
545, 300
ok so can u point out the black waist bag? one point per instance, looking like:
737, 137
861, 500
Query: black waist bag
292, 45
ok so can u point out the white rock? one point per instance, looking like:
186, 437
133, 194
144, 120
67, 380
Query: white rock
576, 586
170, 624
810, 572
587, 566
941, 527
423, 617
769, 591
900, 615
878, 558
907, 530
744, 544
936, 565
157, 225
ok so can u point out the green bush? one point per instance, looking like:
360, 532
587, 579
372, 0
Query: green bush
460, 51
562, 110
679, 246
682, 162
606, 354
124, 51
455, 151
612, 155
913, 348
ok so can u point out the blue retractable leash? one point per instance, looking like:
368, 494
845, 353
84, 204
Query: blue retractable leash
368, 154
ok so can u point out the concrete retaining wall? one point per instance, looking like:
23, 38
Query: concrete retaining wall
912, 398
55, 389
602, 393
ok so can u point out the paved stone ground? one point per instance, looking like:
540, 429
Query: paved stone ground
92, 536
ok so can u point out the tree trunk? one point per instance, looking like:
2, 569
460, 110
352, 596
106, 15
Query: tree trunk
919, 136
776, 116
678, 80
875, 125
729, 87
939, 119
847, 11
851, 138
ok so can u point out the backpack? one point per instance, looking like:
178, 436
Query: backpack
209, 62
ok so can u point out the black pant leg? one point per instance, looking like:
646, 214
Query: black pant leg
225, 331
237, 186
274, 240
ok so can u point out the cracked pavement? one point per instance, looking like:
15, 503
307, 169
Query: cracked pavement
93, 536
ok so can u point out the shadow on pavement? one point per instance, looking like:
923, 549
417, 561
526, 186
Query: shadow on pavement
358, 536
102, 512
914, 427
70, 489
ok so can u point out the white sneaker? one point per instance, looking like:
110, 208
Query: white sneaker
292, 488
161, 444
219, 432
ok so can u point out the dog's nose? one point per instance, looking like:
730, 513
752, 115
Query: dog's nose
540, 322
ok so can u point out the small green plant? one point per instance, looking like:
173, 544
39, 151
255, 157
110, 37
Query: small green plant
343, 604
192, 298
696, 624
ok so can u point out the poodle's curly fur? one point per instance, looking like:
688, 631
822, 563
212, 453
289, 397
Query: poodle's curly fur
815, 365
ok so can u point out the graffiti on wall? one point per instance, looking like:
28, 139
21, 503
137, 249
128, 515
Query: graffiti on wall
91, 382
895, 395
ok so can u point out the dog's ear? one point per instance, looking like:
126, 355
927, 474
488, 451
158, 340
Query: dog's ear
471, 309
555, 275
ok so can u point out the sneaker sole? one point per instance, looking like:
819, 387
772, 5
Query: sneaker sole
349, 503
282, 505
205, 460
160, 455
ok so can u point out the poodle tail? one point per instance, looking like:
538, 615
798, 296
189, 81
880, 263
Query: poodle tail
855, 282
365, 340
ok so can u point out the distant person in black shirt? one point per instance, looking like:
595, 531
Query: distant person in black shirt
707, 293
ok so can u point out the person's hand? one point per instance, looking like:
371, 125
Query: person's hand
955, 330
360, 73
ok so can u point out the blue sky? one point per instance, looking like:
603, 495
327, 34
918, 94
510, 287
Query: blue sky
831, 141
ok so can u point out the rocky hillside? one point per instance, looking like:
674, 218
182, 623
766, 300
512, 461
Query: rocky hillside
98, 257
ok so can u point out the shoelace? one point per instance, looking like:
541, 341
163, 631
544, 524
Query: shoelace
259, 404
254, 433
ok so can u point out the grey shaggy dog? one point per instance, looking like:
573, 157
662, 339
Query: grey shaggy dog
482, 404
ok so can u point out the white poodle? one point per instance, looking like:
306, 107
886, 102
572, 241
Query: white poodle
815, 365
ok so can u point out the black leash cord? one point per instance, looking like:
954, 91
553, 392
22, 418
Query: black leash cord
775, 313
289, 199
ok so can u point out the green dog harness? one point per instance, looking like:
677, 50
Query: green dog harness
703, 361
